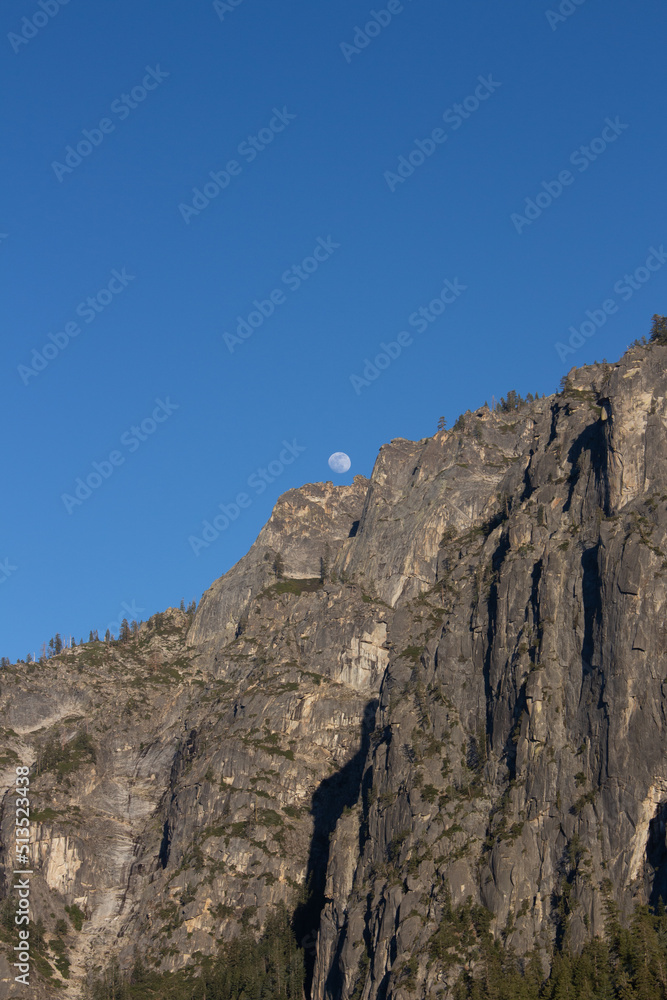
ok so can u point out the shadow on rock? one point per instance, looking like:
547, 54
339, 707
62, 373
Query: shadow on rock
341, 790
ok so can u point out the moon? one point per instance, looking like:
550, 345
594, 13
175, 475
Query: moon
339, 461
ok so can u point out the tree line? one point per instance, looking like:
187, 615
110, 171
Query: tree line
271, 968
628, 963
127, 632
511, 404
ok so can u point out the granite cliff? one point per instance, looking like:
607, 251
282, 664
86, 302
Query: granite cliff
442, 687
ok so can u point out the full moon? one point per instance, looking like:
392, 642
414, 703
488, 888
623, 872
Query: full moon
339, 462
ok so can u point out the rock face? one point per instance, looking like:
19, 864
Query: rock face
446, 683
306, 529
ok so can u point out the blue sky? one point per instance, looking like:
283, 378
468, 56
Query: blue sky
305, 121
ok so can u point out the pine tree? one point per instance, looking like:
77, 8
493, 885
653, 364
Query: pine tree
125, 634
58, 643
107, 636
513, 402
442, 424
659, 330
325, 563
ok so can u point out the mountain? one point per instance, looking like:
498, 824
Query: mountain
424, 713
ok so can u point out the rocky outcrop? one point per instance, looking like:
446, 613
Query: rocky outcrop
306, 530
438, 687
521, 744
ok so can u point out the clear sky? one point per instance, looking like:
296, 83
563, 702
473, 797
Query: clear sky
348, 164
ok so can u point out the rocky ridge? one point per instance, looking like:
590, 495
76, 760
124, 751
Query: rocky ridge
447, 688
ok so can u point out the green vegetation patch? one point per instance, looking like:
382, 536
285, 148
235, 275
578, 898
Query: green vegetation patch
8, 757
297, 587
76, 915
272, 967
269, 817
65, 758
413, 653
46, 815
